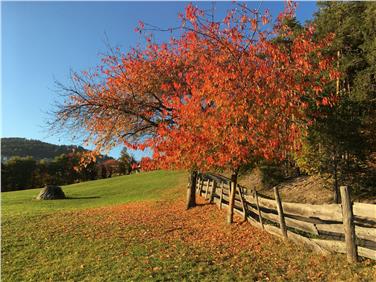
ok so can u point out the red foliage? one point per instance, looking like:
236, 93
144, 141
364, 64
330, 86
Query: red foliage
219, 95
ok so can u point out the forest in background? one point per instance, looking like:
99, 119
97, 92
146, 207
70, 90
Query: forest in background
342, 142
38, 150
30, 164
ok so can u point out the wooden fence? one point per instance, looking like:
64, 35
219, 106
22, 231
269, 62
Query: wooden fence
348, 228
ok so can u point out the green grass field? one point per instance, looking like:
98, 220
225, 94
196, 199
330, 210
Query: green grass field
104, 192
135, 228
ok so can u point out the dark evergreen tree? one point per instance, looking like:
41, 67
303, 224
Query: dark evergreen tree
18, 174
125, 161
343, 137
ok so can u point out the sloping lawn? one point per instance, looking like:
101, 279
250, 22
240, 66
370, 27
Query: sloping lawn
135, 228
98, 193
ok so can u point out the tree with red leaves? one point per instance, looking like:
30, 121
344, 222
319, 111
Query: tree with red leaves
222, 93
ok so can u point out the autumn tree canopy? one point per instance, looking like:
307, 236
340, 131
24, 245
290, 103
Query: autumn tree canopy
219, 93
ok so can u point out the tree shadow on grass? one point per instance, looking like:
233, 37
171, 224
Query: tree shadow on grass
79, 198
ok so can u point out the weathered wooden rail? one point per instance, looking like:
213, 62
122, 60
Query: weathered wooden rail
348, 227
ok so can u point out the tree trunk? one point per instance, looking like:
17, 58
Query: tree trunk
191, 191
335, 176
230, 213
338, 80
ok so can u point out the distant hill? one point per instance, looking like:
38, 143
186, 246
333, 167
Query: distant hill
39, 150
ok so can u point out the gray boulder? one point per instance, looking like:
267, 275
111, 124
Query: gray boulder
51, 192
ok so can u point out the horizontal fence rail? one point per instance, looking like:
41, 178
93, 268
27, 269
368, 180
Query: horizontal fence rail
348, 228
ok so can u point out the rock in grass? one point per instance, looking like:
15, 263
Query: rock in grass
51, 192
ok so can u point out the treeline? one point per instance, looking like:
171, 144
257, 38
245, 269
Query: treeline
19, 173
38, 150
342, 141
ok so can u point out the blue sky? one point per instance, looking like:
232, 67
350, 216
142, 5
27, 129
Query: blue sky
43, 41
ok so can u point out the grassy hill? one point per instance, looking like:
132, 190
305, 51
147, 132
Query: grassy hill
98, 193
136, 228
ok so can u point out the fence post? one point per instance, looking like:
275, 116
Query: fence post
200, 186
212, 192
348, 225
243, 202
258, 209
221, 197
282, 222
207, 189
